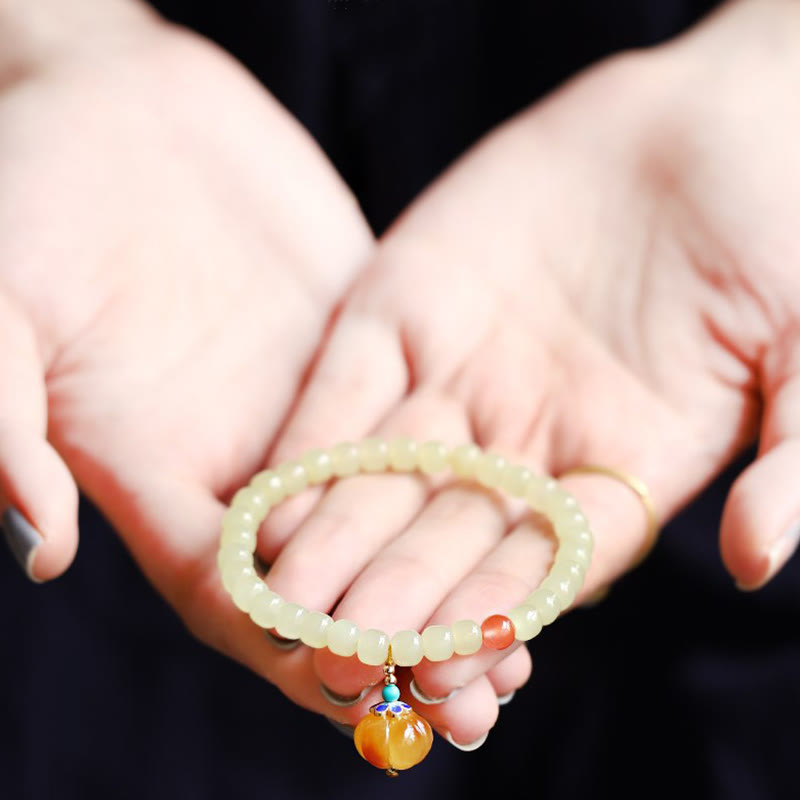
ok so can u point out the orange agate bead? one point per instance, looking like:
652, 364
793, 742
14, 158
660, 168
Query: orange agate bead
498, 632
393, 737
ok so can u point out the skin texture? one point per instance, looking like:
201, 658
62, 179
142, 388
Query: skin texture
609, 277
165, 278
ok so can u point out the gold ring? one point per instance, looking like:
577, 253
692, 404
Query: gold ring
639, 488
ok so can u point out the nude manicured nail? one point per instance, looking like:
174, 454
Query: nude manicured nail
426, 699
341, 700
467, 748
22, 539
505, 699
777, 556
782, 549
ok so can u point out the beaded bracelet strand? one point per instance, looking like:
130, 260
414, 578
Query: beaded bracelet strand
401, 738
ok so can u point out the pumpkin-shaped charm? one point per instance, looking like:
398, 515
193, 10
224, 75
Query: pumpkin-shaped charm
393, 737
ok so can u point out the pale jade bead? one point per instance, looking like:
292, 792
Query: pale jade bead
245, 589
343, 637
237, 518
318, 465
467, 637
293, 475
527, 622
373, 647
269, 484
314, 629
234, 553
516, 479
569, 529
579, 537
239, 537
373, 454
559, 504
540, 488
490, 469
288, 620
562, 559
345, 456
437, 642
231, 570
580, 553
251, 500
407, 648
403, 453
573, 520
565, 582
546, 603
566, 566
264, 609
432, 457
231, 573
464, 460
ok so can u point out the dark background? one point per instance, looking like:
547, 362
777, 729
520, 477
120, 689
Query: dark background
676, 686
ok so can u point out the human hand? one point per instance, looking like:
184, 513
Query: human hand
610, 277
172, 244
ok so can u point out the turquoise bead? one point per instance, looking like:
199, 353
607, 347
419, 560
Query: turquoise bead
390, 693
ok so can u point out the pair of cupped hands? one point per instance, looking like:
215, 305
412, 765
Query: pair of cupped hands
189, 293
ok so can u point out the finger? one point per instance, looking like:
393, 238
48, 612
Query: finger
760, 526
619, 522
511, 674
356, 518
416, 570
352, 520
509, 574
502, 580
467, 716
190, 579
359, 376
466, 719
37, 491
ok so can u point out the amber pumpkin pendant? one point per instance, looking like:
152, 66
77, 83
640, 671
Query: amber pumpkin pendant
392, 736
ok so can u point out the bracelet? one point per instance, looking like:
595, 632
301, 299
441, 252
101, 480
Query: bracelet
401, 738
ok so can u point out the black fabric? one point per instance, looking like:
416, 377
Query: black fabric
394, 89
676, 685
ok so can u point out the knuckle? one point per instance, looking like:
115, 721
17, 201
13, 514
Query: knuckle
496, 589
392, 570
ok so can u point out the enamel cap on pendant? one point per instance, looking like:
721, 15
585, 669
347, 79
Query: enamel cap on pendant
392, 736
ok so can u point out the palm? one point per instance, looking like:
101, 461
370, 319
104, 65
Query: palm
573, 291
177, 261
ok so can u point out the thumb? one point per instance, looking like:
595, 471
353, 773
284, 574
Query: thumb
760, 526
38, 495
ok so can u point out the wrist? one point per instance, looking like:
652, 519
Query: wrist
741, 36
32, 33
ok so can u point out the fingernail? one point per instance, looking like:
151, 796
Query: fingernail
467, 748
340, 699
506, 698
782, 549
342, 727
22, 539
280, 642
777, 556
426, 699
